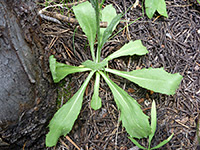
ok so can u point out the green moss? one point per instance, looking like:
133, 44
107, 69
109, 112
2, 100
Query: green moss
64, 93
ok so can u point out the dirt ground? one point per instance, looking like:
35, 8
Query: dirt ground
173, 43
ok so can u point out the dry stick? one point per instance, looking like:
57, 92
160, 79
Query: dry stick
146, 109
24, 146
49, 18
67, 50
64, 144
53, 42
156, 18
135, 4
127, 29
68, 138
52, 19
117, 132
182, 124
56, 17
63, 18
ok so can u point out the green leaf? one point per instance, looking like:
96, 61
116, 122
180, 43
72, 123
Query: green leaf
94, 3
136, 143
152, 5
93, 65
157, 80
60, 70
162, 8
102, 2
163, 142
131, 48
96, 100
86, 17
108, 14
108, 32
153, 121
64, 118
133, 119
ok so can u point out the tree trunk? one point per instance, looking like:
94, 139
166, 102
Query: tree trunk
27, 95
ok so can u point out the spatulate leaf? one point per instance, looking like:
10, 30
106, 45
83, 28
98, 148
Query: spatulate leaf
85, 15
64, 118
157, 80
152, 5
162, 8
131, 48
96, 100
60, 70
133, 119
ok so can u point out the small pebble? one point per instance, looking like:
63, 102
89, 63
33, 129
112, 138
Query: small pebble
147, 103
168, 35
198, 31
134, 148
103, 112
196, 68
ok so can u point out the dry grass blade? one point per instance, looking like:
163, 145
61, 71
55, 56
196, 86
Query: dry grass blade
68, 138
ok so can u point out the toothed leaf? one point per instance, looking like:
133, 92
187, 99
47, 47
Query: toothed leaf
85, 15
131, 48
157, 80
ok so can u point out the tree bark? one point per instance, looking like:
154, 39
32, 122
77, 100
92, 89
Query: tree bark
27, 95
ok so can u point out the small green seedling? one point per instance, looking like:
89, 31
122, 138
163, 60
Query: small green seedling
153, 128
133, 119
151, 6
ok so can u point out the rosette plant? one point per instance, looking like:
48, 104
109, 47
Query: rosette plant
89, 15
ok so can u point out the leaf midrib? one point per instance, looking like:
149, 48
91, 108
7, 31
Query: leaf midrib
131, 76
121, 98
